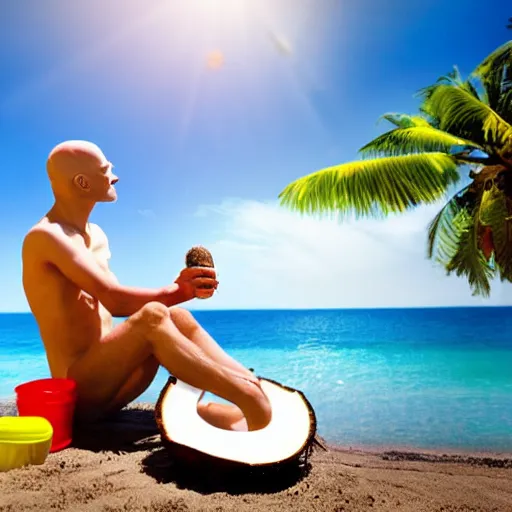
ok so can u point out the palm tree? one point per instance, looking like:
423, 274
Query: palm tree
462, 125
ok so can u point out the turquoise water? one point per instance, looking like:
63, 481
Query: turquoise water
424, 378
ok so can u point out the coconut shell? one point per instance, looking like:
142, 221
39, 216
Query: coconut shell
192, 459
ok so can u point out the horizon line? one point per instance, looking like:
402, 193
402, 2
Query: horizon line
344, 308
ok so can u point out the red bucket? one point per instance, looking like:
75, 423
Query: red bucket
53, 399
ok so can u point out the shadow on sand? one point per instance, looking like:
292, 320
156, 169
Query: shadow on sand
207, 478
131, 430
134, 429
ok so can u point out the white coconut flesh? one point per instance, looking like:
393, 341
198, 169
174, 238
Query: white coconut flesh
284, 437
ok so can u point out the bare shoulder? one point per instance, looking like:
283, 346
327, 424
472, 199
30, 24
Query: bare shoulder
44, 229
40, 235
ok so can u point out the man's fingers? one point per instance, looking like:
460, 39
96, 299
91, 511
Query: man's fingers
194, 272
204, 288
205, 282
202, 293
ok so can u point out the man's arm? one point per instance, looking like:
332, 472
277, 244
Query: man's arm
80, 267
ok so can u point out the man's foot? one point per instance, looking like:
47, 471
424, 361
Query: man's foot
249, 376
227, 417
255, 405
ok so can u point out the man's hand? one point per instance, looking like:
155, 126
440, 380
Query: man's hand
197, 282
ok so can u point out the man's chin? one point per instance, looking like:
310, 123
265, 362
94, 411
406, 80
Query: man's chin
110, 198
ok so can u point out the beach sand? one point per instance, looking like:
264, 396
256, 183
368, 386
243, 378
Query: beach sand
120, 465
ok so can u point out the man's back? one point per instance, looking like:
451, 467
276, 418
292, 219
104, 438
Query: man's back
69, 319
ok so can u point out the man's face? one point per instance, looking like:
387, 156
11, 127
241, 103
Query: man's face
106, 180
97, 180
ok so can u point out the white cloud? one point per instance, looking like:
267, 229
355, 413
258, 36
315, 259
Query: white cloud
268, 257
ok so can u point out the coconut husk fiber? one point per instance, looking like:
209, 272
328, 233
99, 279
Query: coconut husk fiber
199, 256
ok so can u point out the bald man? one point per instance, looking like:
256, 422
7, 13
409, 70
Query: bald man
74, 295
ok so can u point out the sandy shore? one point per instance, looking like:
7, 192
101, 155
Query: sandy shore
121, 466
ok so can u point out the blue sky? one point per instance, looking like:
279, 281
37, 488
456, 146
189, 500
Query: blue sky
203, 151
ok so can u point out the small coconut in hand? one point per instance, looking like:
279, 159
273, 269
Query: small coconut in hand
199, 256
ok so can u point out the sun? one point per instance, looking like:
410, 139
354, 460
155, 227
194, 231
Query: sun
215, 59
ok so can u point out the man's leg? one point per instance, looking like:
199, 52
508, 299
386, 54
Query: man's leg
103, 370
136, 384
189, 327
224, 416
228, 417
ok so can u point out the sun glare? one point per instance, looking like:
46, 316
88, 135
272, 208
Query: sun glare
215, 59
229, 55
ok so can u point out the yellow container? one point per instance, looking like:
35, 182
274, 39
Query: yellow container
24, 440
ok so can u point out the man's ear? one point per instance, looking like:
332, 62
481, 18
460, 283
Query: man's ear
81, 181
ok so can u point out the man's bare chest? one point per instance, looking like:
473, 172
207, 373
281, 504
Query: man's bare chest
97, 247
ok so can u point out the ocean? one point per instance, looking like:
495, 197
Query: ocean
438, 378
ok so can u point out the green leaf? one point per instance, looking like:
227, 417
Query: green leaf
461, 114
494, 212
453, 240
494, 72
454, 78
468, 260
373, 187
505, 103
444, 232
502, 55
405, 120
417, 139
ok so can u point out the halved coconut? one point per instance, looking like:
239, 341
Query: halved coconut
287, 437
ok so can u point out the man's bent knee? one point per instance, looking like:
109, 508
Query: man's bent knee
151, 315
181, 316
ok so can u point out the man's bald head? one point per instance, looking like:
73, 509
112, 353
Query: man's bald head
79, 168
72, 156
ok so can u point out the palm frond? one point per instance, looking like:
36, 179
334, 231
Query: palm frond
505, 103
454, 78
471, 87
416, 139
468, 260
494, 213
494, 72
373, 187
443, 232
461, 114
453, 240
498, 58
404, 120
